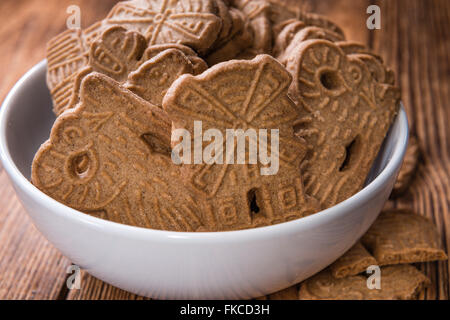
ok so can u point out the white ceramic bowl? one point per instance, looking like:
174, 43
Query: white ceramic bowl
159, 264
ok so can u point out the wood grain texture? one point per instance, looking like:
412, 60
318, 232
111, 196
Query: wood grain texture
414, 41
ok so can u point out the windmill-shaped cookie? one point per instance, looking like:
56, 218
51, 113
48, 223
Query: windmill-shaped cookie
243, 95
191, 22
345, 116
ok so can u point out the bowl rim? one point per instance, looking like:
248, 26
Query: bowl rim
138, 232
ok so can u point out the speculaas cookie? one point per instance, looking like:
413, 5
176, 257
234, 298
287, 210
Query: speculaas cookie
313, 19
257, 13
227, 20
67, 54
409, 167
403, 282
238, 22
243, 95
380, 72
353, 262
110, 157
305, 33
401, 236
232, 48
123, 56
153, 78
280, 12
285, 35
290, 293
345, 116
352, 47
190, 22
199, 65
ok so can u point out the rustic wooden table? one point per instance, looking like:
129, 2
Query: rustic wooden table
414, 40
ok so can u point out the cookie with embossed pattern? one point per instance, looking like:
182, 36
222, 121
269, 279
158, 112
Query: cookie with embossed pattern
257, 13
232, 48
280, 12
194, 23
199, 65
67, 54
227, 20
302, 34
243, 95
373, 61
190, 22
408, 169
345, 116
401, 236
403, 282
317, 20
122, 54
353, 262
110, 157
285, 36
238, 22
239, 39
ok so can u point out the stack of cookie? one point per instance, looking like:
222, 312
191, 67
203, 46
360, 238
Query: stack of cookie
379, 267
124, 86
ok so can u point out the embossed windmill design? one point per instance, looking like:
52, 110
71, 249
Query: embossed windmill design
243, 95
188, 22
109, 157
345, 115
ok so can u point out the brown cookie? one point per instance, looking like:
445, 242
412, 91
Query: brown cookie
257, 13
280, 12
313, 19
227, 20
290, 293
352, 47
199, 65
286, 31
238, 23
380, 72
408, 169
353, 262
118, 53
286, 35
400, 236
232, 48
153, 78
305, 33
403, 282
345, 115
110, 157
67, 54
377, 69
190, 22
243, 95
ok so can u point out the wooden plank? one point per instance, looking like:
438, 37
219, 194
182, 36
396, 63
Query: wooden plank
415, 40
